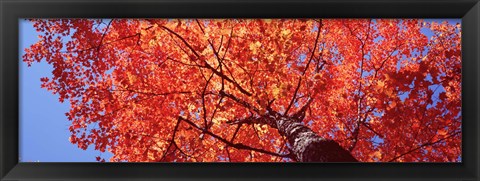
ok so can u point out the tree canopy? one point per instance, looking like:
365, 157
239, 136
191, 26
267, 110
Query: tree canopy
208, 90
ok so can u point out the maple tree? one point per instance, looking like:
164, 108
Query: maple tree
257, 90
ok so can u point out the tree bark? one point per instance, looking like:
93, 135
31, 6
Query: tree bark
305, 144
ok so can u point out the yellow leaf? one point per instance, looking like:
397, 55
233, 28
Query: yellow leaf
152, 43
340, 126
376, 154
387, 77
254, 46
442, 132
276, 92
150, 155
285, 32
131, 78
216, 121
225, 32
143, 32
191, 107
380, 84
390, 93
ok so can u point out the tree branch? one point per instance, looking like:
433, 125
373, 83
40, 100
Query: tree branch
231, 144
104, 33
208, 65
172, 140
294, 96
151, 93
243, 103
424, 145
314, 46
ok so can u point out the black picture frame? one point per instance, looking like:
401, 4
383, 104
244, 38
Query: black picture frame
12, 11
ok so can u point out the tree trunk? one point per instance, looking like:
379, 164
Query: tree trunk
306, 145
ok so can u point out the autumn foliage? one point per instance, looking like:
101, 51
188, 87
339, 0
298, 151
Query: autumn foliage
170, 90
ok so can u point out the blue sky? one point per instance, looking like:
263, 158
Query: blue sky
43, 125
